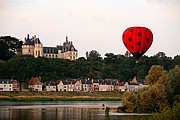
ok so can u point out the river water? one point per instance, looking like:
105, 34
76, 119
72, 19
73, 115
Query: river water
65, 110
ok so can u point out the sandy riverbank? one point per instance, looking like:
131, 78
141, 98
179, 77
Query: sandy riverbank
61, 96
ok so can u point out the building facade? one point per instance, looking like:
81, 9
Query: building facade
35, 84
33, 46
6, 85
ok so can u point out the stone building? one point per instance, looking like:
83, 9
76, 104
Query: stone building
33, 46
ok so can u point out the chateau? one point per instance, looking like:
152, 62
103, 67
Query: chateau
33, 46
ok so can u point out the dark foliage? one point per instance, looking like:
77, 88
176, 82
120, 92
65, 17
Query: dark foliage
23, 67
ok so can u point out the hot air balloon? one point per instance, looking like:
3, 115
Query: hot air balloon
137, 40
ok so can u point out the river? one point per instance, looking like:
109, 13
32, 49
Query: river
64, 110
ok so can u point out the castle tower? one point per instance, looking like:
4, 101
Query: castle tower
32, 46
28, 46
38, 47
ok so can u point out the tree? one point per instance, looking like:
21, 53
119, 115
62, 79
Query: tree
160, 54
93, 56
153, 99
130, 100
174, 76
154, 75
168, 113
8, 46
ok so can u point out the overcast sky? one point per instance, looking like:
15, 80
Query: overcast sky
93, 24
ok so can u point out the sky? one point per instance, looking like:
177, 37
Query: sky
93, 24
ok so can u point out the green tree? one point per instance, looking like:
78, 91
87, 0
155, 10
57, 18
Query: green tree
8, 46
168, 113
93, 56
131, 101
153, 99
174, 76
155, 75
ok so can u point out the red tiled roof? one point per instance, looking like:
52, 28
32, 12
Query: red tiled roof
34, 80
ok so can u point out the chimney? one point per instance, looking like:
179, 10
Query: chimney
66, 39
25, 40
27, 36
34, 37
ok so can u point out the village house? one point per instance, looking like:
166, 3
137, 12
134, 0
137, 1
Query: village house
95, 85
105, 85
6, 85
115, 84
60, 85
135, 84
87, 85
78, 85
16, 85
121, 87
50, 86
35, 84
66, 85
71, 85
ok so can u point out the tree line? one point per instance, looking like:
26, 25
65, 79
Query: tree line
23, 67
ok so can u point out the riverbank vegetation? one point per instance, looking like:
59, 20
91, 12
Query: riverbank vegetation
162, 96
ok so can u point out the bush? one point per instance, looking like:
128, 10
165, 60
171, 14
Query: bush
169, 113
107, 110
122, 108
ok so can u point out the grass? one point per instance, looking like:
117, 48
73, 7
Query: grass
60, 96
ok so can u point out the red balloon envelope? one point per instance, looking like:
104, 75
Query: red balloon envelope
137, 40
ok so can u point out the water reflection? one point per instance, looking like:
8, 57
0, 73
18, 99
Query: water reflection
52, 114
62, 111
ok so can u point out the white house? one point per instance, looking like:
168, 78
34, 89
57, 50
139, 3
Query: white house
60, 85
50, 86
6, 85
35, 84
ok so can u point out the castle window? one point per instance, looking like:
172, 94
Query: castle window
38, 53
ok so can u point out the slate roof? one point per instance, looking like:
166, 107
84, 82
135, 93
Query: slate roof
68, 46
105, 82
50, 50
51, 83
29, 42
37, 41
32, 41
6, 81
70, 81
86, 81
